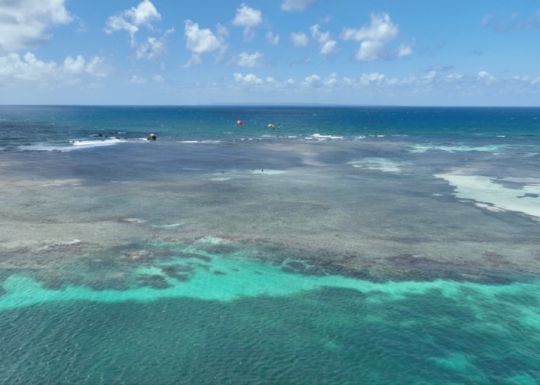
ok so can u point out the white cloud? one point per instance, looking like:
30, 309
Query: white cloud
312, 81
251, 60
378, 82
135, 79
299, 39
331, 81
272, 38
454, 77
153, 46
373, 37
97, 67
248, 79
429, 77
25, 23
326, 43
131, 20
485, 77
26, 67
248, 18
521, 78
296, 5
74, 65
202, 40
15, 67
405, 50
252, 80
372, 78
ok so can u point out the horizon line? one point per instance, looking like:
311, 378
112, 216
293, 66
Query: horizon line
282, 105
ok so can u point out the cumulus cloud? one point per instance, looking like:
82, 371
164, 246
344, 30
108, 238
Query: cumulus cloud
251, 60
248, 18
247, 79
429, 77
372, 78
485, 77
252, 80
379, 82
153, 47
131, 20
26, 23
332, 80
299, 39
404, 50
312, 81
74, 65
202, 40
454, 77
97, 67
272, 38
326, 44
138, 80
373, 37
296, 5
27, 67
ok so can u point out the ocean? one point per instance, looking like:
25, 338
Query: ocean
306, 245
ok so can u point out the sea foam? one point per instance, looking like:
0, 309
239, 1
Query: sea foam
76, 145
422, 148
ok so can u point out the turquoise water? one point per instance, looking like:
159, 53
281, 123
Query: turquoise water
346, 246
236, 321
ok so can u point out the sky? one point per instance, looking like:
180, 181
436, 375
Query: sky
206, 52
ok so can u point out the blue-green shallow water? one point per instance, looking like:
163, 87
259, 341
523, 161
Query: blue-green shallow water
236, 321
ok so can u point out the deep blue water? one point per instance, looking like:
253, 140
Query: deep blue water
25, 125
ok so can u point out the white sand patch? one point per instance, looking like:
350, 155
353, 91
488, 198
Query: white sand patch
376, 164
488, 194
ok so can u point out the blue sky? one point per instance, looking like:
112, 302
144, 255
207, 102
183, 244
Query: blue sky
389, 52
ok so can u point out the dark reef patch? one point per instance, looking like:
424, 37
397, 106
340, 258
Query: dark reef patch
154, 281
